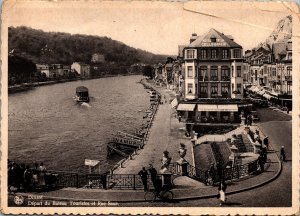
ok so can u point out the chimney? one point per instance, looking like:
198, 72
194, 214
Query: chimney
193, 37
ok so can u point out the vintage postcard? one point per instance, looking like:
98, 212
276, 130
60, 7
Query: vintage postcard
150, 107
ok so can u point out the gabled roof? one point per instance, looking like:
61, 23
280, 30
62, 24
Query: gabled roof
223, 40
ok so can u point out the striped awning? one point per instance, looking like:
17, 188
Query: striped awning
216, 108
186, 107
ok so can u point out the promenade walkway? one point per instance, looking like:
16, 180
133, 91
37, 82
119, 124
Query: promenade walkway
165, 134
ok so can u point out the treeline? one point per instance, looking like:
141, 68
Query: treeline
54, 47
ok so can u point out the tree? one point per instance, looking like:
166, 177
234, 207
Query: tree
20, 70
148, 71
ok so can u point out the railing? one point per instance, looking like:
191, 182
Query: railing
134, 181
225, 78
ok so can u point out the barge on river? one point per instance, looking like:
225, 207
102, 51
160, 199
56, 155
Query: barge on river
82, 94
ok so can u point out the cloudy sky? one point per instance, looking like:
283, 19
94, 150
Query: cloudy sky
158, 27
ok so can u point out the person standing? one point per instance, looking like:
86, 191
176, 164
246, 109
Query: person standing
42, 172
144, 176
153, 174
27, 178
282, 154
266, 142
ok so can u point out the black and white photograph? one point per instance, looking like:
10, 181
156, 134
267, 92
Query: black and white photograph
179, 107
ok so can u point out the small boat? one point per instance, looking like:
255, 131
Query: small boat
82, 94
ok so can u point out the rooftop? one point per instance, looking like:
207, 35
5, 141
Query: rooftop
221, 39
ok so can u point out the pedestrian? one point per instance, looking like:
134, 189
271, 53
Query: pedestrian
282, 154
153, 174
34, 177
42, 172
266, 142
222, 192
261, 163
144, 176
27, 178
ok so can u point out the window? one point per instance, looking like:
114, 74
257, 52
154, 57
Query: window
203, 90
232, 70
225, 54
225, 76
214, 73
274, 72
289, 71
225, 89
203, 54
203, 74
239, 71
255, 75
239, 88
213, 54
190, 71
196, 88
190, 54
232, 87
190, 88
214, 89
237, 53
213, 39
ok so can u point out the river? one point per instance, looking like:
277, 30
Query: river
47, 125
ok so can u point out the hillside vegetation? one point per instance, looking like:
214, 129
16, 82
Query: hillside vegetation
55, 47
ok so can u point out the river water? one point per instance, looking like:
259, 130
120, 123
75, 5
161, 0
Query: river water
47, 125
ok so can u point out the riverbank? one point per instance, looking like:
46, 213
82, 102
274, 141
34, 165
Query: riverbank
29, 86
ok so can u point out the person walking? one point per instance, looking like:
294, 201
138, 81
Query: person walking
222, 192
144, 176
282, 154
266, 142
153, 174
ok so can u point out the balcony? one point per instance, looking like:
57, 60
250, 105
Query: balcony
213, 78
225, 78
288, 78
202, 78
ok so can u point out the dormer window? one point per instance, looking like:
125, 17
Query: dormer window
213, 39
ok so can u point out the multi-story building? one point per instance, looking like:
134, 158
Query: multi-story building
82, 69
271, 70
213, 78
43, 69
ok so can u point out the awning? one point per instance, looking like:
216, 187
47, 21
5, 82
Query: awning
216, 108
267, 96
255, 89
174, 103
228, 107
207, 107
186, 107
261, 92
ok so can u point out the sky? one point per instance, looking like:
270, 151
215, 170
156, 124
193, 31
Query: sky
158, 27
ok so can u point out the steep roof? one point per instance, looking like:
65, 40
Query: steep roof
223, 40
277, 49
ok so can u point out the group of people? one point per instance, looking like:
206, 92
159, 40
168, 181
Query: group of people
153, 175
26, 178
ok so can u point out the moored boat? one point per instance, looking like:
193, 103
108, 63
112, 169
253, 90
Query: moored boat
82, 94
